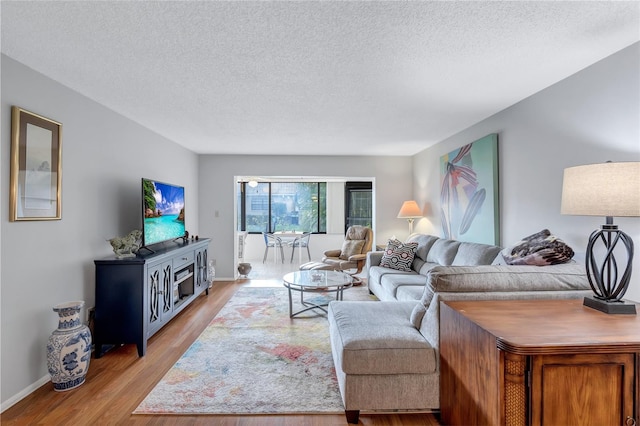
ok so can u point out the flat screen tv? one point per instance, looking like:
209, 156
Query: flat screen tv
162, 212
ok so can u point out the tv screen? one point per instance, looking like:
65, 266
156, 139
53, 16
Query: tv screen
163, 212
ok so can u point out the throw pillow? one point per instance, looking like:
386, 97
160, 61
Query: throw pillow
351, 247
541, 248
417, 314
399, 255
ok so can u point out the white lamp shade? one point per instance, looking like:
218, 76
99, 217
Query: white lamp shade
409, 210
605, 189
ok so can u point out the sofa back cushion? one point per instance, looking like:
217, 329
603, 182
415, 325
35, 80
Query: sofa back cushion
471, 254
496, 278
443, 251
425, 242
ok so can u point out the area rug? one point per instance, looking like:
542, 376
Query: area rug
253, 359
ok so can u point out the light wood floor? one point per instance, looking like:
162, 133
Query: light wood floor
119, 381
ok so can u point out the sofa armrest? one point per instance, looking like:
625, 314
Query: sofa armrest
503, 278
374, 258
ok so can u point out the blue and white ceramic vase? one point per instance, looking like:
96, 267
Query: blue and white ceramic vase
69, 348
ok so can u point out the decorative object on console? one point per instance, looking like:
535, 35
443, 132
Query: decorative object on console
469, 192
69, 348
541, 248
410, 211
36, 167
128, 245
605, 189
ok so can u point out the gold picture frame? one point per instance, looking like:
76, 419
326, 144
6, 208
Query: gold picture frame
36, 167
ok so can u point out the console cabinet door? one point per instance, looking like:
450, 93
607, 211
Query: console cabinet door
585, 389
160, 292
201, 269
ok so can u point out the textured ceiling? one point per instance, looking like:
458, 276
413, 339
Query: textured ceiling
377, 78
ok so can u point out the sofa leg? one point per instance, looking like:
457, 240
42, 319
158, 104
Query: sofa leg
352, 416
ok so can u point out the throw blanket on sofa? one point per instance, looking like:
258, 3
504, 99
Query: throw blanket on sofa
541, 248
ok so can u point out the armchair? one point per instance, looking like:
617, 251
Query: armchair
352, 256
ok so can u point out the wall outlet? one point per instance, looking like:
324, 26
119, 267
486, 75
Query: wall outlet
213, 262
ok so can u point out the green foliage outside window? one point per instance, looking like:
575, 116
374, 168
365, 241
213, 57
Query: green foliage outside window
291, 206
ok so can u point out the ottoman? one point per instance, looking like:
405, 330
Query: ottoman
382, 361
316, 266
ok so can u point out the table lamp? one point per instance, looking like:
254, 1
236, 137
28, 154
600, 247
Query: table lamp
410, 211
605, 189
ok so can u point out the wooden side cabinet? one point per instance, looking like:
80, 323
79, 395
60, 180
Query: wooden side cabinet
538, 362
136, 297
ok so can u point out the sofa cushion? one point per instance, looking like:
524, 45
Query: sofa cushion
378, 338
377, 272
350, 248
443, 251
470, 254
426, 267
391, 283
408, 293
496, 278
425, 242
399, 255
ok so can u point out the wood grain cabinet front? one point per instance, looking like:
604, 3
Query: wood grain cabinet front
542, 362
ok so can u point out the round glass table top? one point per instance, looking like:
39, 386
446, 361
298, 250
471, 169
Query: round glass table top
318, 279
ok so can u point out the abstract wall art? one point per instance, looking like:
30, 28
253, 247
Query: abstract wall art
469, 204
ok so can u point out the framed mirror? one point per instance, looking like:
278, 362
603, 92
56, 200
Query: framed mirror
36, 169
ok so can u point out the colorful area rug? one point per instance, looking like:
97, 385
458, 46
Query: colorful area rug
253, 359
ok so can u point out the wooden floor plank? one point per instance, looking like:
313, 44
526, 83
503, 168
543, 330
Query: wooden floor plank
118, 381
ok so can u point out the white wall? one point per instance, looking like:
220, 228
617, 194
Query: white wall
392, 186
590, 117
104, 156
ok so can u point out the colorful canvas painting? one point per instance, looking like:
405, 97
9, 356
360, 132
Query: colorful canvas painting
469, 205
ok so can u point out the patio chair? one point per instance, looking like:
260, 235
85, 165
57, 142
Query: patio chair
301, 242
271, 240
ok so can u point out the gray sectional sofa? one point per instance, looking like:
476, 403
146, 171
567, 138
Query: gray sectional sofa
386, 353
392, 284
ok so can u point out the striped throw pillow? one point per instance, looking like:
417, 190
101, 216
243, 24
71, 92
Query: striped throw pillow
399, 255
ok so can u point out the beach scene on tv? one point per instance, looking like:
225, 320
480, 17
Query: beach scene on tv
163, 211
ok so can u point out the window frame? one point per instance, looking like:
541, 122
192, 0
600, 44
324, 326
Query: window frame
242, 223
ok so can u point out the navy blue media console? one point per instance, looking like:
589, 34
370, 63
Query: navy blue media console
135, 297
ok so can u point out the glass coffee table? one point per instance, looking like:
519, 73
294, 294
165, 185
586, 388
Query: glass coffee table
317, 281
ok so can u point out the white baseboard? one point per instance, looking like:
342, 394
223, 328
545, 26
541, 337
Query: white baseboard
23, 393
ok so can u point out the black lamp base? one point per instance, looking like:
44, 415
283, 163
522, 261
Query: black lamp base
610, 307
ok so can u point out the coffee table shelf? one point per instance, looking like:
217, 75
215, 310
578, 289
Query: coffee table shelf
315, 281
